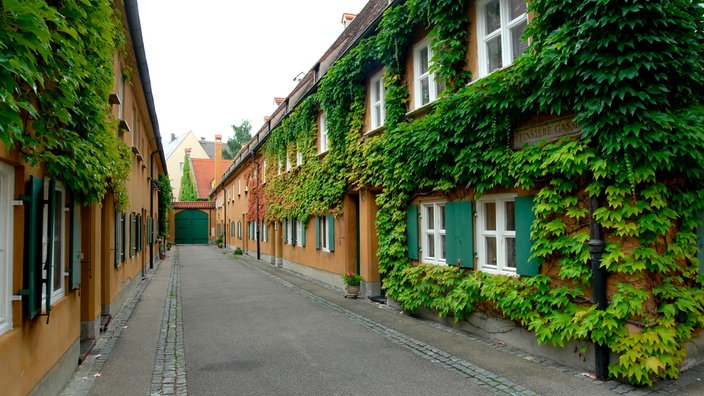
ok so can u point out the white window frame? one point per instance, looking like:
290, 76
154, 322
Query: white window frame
299, 158
58, 270
289, 232
504, 31
323, 128
288, 163
7, 187
264, 172
377, 101
324, 234
436, 233
299, 232
419, 76
501, 234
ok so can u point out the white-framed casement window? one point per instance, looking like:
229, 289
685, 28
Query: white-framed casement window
500, 25
433, 232
288, 163
56, 261
300, 230
323, 128
425, 89
377, 100
7, 186
299, 158
496, 234
324, 233
264, 172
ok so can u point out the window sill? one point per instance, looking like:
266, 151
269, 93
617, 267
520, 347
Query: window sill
422, 111
374, 132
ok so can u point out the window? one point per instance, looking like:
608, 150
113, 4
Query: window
500, 25
180, 166
264, 172
433, 232
265, 232
239, 229
288, 163
325, 233
378, 112
426, 89
323, 126
300, 233
7, 186
496, 234
56, 260
299, 158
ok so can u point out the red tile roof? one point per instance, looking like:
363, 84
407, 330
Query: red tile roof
204, 171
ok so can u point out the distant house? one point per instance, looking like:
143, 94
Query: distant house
175, 153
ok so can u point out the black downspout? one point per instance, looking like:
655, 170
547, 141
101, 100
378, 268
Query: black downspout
596, 250
257, 224
151, 206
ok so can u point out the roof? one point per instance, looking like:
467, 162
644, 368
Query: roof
173, 145
204, 172
209, 148
194, 205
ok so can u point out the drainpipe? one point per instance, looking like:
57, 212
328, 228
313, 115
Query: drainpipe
224, 214
151, 206
596, 250
257, 224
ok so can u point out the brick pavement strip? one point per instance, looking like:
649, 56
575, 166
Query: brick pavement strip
169, 375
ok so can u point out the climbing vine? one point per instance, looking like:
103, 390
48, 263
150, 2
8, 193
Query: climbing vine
629, 72
55, 78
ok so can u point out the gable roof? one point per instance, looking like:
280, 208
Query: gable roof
204, 173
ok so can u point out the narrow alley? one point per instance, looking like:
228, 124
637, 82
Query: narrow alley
206, 322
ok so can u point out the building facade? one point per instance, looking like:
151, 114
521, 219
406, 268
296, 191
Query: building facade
496, 163
74, 240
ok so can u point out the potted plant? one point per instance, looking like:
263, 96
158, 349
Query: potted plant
218, 241
352, 282
162, 252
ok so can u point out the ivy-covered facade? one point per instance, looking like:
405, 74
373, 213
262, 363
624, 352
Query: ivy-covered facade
538, 163
81, 173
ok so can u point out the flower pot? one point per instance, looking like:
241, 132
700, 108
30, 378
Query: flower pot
162, 256
351, 291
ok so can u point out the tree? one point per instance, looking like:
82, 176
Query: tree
241, 135
188, 187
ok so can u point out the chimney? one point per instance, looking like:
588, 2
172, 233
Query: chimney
202, 139
173, 137
218, 159
188, 151
347, 18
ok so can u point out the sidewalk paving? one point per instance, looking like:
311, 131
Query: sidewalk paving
142, 351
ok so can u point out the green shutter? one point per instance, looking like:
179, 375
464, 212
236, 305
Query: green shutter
34, 212
303, 233
459, 233
700, 244
317, 232
524, 221
285, 231
331, 233
74, 269
412, 226
51, 232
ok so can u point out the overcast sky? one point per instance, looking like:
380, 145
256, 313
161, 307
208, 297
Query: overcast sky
214, 63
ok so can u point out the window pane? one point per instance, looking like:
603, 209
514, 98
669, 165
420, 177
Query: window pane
424, 91
423, 66
430, 215
442, 217
490, 250
493, 54
510, 216
493, 16
516, 8
490, 216
431, 245
518, 46
442, 247
511, 252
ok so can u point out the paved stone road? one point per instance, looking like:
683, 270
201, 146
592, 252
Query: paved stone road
234, 325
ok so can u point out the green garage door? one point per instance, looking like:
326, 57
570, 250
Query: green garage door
192, 227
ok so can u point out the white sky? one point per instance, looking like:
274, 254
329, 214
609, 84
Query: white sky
215, 63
